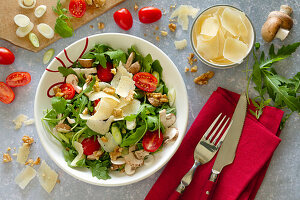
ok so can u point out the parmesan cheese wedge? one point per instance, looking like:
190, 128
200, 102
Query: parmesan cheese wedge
100, 126
109, 145
183, 12
181, 44
25, 176
210, 26
126, 84
98, 95
23, 31
21, 20
235, 50
40, 11
230, 20
23, 153
80, 154
45, 30
47, 177
104, 109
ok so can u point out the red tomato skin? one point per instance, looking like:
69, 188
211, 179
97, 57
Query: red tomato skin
90, 145
145, 81
149, 14
77, 8
152, 141
6, 56
7, 95
96, 102
123, 19
18, 79
104, 74
68, 90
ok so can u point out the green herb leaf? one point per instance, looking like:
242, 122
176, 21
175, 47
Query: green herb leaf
61, 26
136, 136
66, 71
99, 169
59, 104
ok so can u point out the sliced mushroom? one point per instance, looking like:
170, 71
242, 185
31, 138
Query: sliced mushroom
129, 170
133, 161
87, 63
129, 60
71, 121
86, 71
119, 161
134, 68
149, 160
130, 125
141, 154
132, 148
170, 135
73, 80
167, 119
63, 128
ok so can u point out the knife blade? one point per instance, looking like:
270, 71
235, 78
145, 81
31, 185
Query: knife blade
227, 151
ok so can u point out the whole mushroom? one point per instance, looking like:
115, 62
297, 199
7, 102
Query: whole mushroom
278, 24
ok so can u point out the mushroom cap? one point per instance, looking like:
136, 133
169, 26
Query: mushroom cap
286, 20
87, 63
286, 9
270, 28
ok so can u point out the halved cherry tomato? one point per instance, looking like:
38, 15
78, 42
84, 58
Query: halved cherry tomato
96, 102
145, 81
149, 15
6, 93
68, 90
77, 8
152, 140
123, 19
17, 79
90, 145
104, 74
6, 56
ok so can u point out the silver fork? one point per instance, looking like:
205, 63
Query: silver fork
205, 150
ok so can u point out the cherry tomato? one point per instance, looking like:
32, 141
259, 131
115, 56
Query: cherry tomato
6, 56
152, 141
104, 74
77, 8
90, 145
149, 15
123, 19
96, 102
145, 81
6, 93
18, 79
68, 90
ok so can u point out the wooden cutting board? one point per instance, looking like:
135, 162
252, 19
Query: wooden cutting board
10, 8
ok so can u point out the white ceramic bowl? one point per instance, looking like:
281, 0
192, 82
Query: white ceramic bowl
171, 76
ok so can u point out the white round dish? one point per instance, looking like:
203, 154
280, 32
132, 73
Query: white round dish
171, 76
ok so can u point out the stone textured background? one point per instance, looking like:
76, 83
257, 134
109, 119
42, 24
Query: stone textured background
282, 178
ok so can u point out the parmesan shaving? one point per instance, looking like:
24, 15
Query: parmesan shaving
80, 154
23, 153
131, 108
100, 126
181, 44
109, 143
210, 26
126, 84
183, 12
98, 95
121, 71
47, 177
104, 109
208, 49
25, 176
19, 121
230, 20
235, 50
29, 122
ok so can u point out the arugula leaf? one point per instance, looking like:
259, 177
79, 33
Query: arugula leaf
152, 122
87, 89
136, 136
59, 104
61, 26
69, 155
157, 67
99, 169
66, 71
147, 62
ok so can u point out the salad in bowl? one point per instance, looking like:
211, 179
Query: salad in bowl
112, 112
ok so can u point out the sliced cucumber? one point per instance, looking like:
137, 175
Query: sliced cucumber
48, 55
116, 134
34, 40
156, 75
63, 137
172, 96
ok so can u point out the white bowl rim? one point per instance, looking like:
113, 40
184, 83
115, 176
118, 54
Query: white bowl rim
44, 140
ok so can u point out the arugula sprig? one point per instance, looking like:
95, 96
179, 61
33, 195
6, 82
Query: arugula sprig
63, 25
284, 92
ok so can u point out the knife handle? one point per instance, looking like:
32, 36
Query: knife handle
206, 193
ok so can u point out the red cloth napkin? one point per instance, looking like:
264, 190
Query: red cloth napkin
240, 180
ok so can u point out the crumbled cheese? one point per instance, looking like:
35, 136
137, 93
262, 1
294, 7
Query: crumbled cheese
47, 177
183, 13
8, 149
181, 44
25, 177
194, 69
23, 153
29, 122
164, 33
19, 121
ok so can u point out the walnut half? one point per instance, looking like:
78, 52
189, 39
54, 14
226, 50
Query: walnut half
156, 99
203, 79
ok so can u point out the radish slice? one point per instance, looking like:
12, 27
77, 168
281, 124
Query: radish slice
23, 31
34, 40
21, 20
40, 11
27, 4
45, 30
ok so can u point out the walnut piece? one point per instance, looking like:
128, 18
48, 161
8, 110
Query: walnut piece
109, 90
96, 87
27, 139
194, 68
85, 111
101, 25
186, 69
116, 153
172, 27
89, 2
190, 58
203, 79
99, 3
63, 128
156, 99
118, 113
57, 91
37, 161
130, 96
157, 38
6, 158
95, 156
136, 7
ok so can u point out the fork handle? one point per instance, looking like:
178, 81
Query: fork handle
207, 192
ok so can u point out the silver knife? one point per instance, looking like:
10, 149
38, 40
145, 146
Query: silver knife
227, 151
